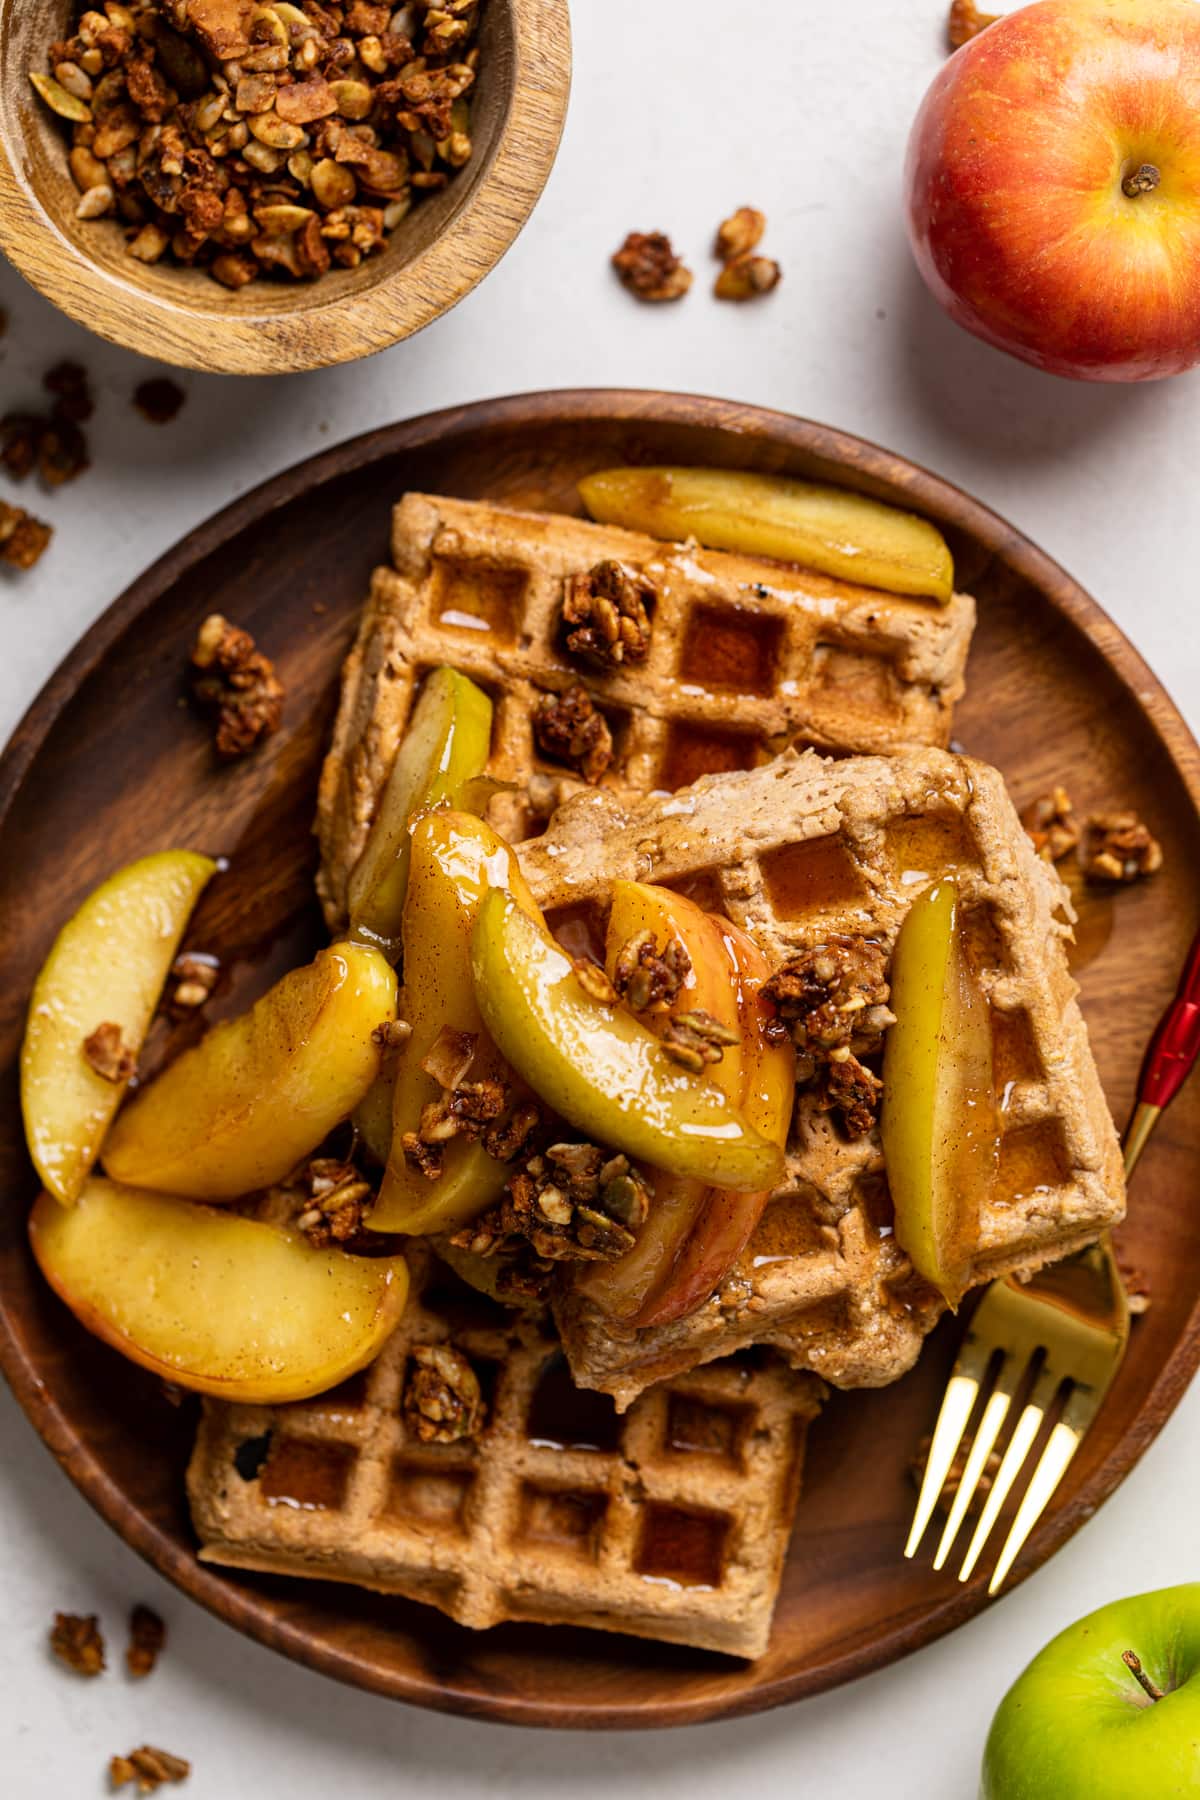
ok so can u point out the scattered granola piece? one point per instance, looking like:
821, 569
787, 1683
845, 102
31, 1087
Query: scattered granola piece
747, 277
593, 980
54, 445
108, 1053
337, 1195
851, 1092
957, 1470
695, 1039
648, 979
68, 382
568, 728
23, 539
572, 1202
159, 400
739, 234
830, 999
75, 1639
648, 266
965, 22
605, 614
1117, 847
147, 1640
239, 684
1052, 824
442, 1402
195, 975
148, 1767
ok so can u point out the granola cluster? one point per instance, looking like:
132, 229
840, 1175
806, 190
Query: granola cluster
336, 1195
108, 1054
442, 1402
1052, 824
251, 139
23, 539
606, 614
237, 683
572, 1202
570, 729
965, 22
486, 1110
646, 264
744, 275
147, 1640
648, 979
1118, 847
76, 1640
147, 1767
194, 975
832, 1002
51, 443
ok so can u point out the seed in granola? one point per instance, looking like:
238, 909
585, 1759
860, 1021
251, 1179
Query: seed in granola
568, 728
442, 1401
593, 980
739, 234
108, 1053
75, 1639
159, 399
238, 684
747, 277
147, 1639
393, 1034
965, 22
695, 1039
648, 979
1118, 847
648, 267
605, 614
1052, 824
149, 1767
23, 539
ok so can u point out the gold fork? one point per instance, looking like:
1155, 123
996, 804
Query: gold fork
1067, 1326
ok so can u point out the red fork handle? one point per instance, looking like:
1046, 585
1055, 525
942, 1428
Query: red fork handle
1176, 1042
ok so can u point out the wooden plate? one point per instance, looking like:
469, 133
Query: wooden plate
110, 764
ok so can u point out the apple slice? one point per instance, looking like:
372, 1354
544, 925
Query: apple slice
444, 749
107, 965
830, 529
939, 1126
456, 860
598, 1066
214, 1301
258, 1093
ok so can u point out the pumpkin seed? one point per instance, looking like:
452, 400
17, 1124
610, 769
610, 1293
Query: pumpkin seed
66, 105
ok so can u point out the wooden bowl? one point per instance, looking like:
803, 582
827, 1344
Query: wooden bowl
109, 765
447, 244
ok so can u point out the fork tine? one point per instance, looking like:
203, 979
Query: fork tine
1028, 1426
994, 1415
962, 1391
1061, 1446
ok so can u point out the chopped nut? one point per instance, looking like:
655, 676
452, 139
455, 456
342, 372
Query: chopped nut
23, 539
740, 233
966, 21
76, 1641
957, 1470
568, 728
648, 979
605, 615
159, 399
108, 1053
648, 266
239, 684
1117, 847
1052, 825
147, 1638
573, 1202
148, 1767
694, 1039
442, 1402
747, 277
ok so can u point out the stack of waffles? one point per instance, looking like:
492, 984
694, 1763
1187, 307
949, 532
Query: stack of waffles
778, 757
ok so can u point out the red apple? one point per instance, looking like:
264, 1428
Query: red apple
1053, 187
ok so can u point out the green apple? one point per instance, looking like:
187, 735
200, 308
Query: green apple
1080, 1725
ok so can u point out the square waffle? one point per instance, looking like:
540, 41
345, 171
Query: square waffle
746, 656
793, 852
669, 1522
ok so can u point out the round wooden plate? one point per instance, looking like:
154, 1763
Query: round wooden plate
110, 763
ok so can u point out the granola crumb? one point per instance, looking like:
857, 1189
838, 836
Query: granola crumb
159, 400
147, 1640
109, 1055
148, 1767
605, 614
747, 278
76, 1641
740, 233
965, 22
442, 1400
1117, 847
195, 974
239, 684
648, 267
23, 539
1052, 825
568, 728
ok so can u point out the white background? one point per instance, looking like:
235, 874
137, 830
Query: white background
679, 113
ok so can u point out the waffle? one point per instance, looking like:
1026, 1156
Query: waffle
746, 657
670, 1522
792, 852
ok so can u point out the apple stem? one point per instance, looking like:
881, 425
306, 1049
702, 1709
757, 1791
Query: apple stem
1133, 1663
1141, 181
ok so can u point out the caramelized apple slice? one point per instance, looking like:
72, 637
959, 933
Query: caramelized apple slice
107, 966
258, 1093
444, 749
939, 1113
214, 1301
830, 529
598, 1066
456, 861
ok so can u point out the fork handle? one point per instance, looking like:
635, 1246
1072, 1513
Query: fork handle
1176, 1042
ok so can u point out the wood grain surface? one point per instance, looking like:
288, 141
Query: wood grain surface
446, 245
111, 763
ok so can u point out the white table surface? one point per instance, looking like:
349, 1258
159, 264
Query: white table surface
675, 120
